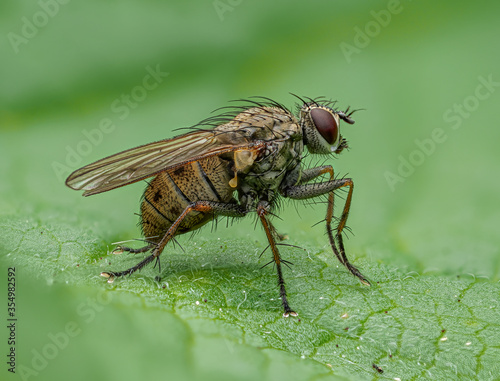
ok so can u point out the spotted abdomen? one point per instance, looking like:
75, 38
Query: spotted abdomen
170, 192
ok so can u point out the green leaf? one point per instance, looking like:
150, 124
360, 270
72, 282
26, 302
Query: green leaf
215, 309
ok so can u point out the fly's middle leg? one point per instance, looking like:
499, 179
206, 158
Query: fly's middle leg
209, 207
305, 191
262, 211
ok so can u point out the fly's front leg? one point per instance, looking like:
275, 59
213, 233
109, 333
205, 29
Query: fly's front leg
262, 211
305, 191
216, 208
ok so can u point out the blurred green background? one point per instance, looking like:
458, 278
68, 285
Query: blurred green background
421, 70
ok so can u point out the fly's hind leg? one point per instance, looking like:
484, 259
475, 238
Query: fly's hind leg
120, 249
209, 207
305, 191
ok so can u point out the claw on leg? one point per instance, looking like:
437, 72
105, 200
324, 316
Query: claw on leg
282, 237
109, 276
117, 250
290, 312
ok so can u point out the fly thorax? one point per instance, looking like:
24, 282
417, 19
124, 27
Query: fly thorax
264, 177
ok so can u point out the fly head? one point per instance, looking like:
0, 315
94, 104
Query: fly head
321, 128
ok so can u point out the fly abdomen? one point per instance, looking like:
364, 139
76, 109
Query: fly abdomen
172, 191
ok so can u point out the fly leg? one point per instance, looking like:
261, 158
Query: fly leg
281, 237
305, 191
262, 211
120, 249
209, 207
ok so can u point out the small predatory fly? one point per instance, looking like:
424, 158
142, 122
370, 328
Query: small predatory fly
240, 161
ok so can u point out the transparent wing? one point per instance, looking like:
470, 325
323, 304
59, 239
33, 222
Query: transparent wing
145, 161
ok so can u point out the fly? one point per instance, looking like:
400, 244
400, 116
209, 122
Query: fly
238, 162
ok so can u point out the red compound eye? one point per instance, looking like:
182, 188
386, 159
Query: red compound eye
326, 124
